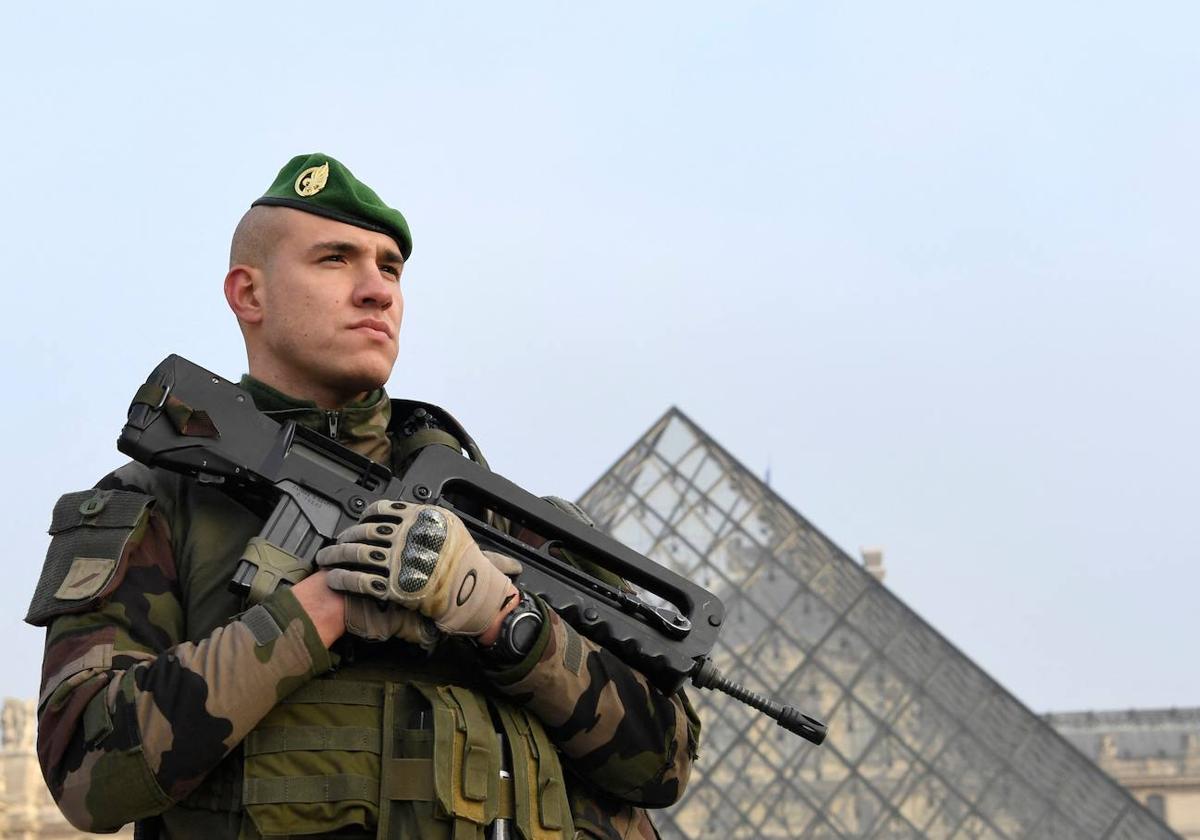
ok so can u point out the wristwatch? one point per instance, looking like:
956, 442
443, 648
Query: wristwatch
518, 632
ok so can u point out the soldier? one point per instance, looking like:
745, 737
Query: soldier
340, 707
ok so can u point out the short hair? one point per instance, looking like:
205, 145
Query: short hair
256, 235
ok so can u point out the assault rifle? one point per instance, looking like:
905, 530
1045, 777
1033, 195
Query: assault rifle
309, 488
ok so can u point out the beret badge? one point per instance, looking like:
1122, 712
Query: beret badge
312, 180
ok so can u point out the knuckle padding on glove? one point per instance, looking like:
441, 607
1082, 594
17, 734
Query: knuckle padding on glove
422, 547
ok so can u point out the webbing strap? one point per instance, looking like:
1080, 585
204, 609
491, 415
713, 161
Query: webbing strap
150, 394
276, 739
445, 727
186, 420
477, 753
507, 804
549, 784
516, 729
346, 692
406, 446
328, 788
411, 780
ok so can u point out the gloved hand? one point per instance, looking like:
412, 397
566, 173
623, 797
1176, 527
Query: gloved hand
421, 557
374, 621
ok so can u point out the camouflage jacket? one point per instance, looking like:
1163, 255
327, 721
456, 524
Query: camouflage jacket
149, 691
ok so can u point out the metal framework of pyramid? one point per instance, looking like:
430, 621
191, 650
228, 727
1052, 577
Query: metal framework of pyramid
922, 743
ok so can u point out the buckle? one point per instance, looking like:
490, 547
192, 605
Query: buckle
163, 400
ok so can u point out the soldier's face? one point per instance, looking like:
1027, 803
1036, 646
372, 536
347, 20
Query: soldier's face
332, 305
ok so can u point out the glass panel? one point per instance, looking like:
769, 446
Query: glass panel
854, 808
795, 553
949, 817
807, 619
843, 653
888, 765
916, 650
1044, 764
958, 686
883, 689
779, 811
706, 477
967, 765
678, 556
675, 440
823, 831
839, 584
975, 827
897, 828
877, 615
1087, 798
633, 532
1011, 806
819, 773
813, 690
1003, 725
1055, 826
770, 585
851, 730
923, 726
924, 802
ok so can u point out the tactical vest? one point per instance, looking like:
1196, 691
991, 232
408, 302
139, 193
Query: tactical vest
391, 743
400, 749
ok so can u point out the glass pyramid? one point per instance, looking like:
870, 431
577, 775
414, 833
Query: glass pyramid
922, 743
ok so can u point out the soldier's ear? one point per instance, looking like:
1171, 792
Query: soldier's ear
244, 293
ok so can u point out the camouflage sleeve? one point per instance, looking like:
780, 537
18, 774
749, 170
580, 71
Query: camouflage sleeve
614, 729
118, 682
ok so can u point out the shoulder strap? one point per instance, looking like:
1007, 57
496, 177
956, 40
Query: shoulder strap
417, 424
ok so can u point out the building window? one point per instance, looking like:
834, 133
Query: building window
1154, 802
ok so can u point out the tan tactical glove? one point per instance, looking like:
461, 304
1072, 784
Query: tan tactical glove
421, 557
378, 621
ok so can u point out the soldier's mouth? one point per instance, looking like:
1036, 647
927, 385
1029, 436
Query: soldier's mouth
375, 328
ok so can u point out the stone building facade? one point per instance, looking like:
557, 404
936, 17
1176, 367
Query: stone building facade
1155, 753
26, 810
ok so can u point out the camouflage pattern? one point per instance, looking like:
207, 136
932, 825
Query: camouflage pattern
147, 696
594, 707
606, 817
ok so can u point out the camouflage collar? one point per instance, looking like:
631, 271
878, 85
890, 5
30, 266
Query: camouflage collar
361, 426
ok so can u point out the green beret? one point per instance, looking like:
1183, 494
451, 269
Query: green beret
319, 184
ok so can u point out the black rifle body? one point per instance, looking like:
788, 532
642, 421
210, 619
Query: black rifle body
309, 488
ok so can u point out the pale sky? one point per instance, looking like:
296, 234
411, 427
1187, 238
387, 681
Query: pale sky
930, 262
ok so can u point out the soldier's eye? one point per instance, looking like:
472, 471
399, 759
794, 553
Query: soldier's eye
390, 269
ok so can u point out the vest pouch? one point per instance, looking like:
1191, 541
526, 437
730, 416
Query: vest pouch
408, 802
466, 759
542, 810
312, 765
